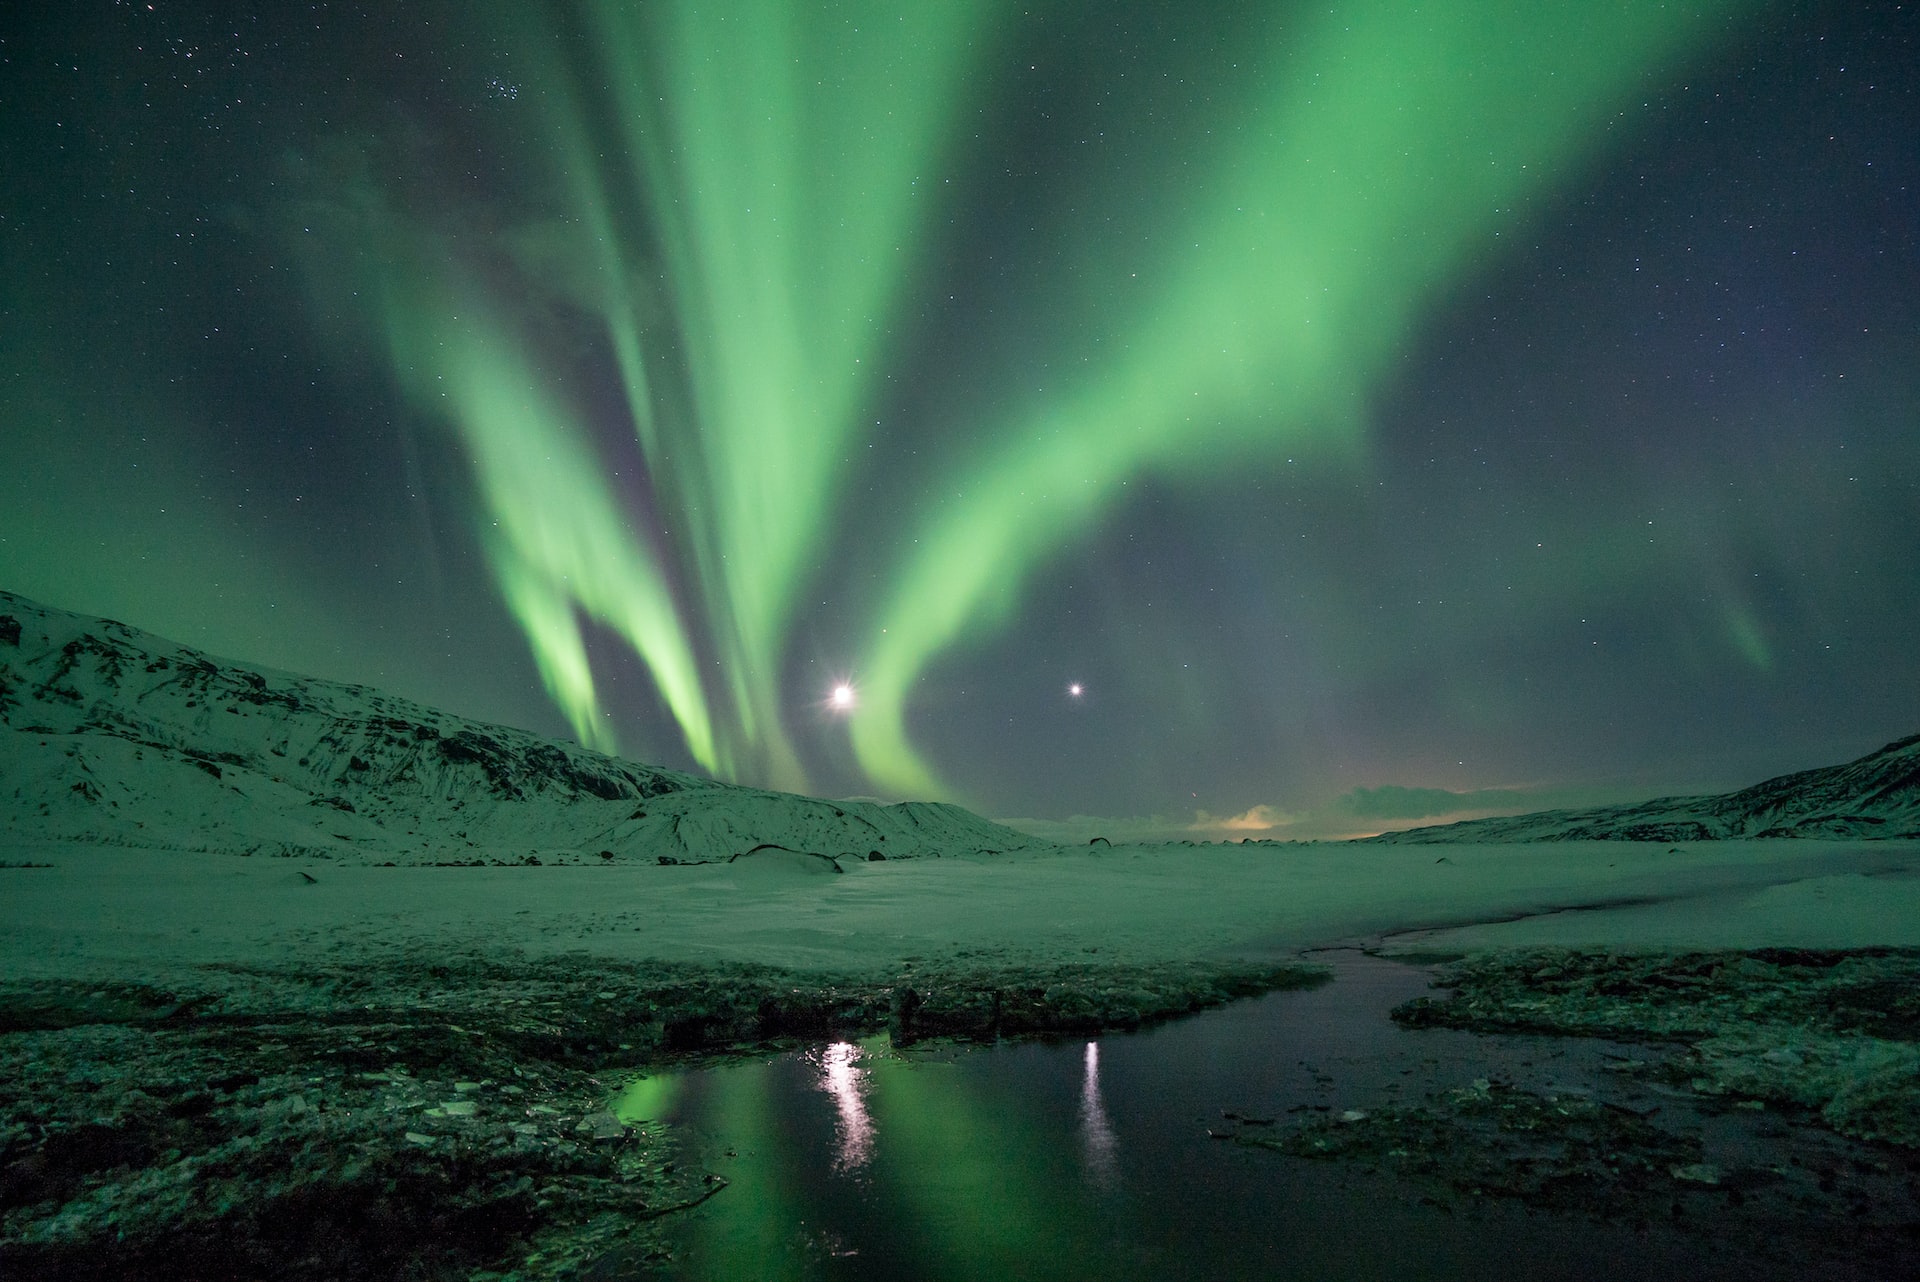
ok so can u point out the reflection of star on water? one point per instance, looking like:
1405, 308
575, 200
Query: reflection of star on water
842, 1077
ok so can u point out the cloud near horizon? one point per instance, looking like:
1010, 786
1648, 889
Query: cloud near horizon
1255, 819
1358, 813
1256, 822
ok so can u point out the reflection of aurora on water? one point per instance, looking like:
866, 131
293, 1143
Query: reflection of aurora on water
1096, 1131
842, 1077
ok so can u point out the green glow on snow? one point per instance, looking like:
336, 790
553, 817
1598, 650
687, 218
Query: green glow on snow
1389, 149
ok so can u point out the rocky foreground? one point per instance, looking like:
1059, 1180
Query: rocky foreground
450, 1117
1767, 1101
436, 1117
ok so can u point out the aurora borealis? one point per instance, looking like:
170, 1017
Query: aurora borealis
1366, 410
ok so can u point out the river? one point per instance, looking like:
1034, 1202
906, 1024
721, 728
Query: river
1102, 1159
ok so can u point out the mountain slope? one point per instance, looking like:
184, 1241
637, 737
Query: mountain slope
1875, 796
109, 734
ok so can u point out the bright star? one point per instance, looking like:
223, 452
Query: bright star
841, 700
1075, 689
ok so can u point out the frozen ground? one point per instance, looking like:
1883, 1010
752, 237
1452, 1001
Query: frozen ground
157, 916
308, 1068
198, 817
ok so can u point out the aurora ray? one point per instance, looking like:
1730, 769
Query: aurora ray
1471, 397
778, 228
1383, 155
730, 314
557, 541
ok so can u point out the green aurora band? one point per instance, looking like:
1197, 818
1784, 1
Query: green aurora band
746, 203
1389, 147
777, 226
557, 539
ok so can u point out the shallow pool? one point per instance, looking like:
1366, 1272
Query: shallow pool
1098, 1160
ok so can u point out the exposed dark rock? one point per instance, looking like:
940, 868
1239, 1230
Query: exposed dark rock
765, 846
471, 746
1488, 1138
422, 1121
1833, 1033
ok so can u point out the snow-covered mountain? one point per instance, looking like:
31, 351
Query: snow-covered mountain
1876, 796
109, 734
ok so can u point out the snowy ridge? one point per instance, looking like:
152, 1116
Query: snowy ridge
113, 735
1875, 796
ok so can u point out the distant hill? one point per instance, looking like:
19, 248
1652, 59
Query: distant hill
109, 734
1876, 796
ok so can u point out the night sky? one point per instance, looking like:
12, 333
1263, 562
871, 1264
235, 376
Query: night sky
1238, 419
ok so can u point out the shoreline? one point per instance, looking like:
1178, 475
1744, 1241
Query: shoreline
214, 1064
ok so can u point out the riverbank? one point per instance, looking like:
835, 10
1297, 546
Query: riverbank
438, 1116
1301, 1134
215, 1064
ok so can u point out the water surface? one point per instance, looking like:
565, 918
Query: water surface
1093, 1159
